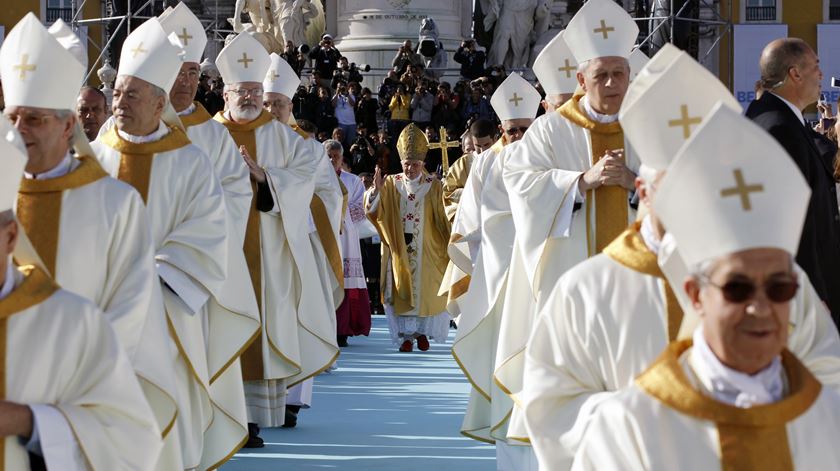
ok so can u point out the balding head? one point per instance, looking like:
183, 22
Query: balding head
790, 68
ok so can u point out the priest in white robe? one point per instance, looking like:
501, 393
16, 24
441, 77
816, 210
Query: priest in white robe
293, 345
69, 398
210, 322
88, 231
610, 317
407, 210
734, 396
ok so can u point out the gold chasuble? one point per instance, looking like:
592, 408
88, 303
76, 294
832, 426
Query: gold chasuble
630, 250
610, 202
198, 116
34, 290
39, 207
136, 159
752, 438
243, 135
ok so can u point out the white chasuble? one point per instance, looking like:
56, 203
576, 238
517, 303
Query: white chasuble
454, 184
354, 275
668, 420
296, 341
410, 218
210, 321
91, 232
606, 321
60, 356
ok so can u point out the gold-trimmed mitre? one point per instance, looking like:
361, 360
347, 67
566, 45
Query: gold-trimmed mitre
412, 144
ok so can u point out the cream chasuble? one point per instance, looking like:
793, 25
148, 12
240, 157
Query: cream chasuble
210, 322
296, 342
455, 182
58, 352
668, 420
91, 232
606, 321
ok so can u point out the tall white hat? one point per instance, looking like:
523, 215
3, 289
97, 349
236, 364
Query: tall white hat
601, 28
637, 60
12, 165
149, 54
30, 60
515, 99
281, 78
68, 39
556, 67
181, 22
732, 188
668, 106
244, 59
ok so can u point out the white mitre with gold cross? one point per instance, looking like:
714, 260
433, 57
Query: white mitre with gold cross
281, 78
11, 172
732, 188
31, 61
637, 60
181, 22
68, 39
150, 54
556, 67
601, 28
668, 106
244, 59
515, 99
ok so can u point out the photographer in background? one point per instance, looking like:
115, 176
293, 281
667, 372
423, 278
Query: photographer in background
362, 155
366, 108
471, 60
400, 108
325, 59
292, 55
344, 109
406, 57
304, 104
421, 106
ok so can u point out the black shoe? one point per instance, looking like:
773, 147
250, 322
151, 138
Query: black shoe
342, 341
291, 416
254, 441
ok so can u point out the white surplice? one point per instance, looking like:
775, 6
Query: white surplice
351, 251
64, 361
211, 321
604, 324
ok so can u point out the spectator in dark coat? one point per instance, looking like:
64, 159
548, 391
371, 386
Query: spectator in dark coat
325, 59
471, 60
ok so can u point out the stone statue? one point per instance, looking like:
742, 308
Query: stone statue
516, 26
292, 18
431, 48
107, 75
257, 10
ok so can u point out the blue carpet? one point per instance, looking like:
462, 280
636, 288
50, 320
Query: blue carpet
380, 410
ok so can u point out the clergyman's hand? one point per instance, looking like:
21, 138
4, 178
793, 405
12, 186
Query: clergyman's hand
378, 180
257, 173
616, 171
15, 420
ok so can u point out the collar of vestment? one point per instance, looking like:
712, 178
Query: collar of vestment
571, 111
751, 438
264, 118
88, 171
631, 251
35, 288
198, 116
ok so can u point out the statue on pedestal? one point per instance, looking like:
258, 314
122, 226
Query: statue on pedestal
292, 18
516, 26
431, 48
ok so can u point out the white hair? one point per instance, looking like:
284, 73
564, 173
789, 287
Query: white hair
332, 144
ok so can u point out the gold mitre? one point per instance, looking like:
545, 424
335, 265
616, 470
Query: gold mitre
412, 144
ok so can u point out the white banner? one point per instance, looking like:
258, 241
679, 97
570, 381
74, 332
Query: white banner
749, 42
828, 48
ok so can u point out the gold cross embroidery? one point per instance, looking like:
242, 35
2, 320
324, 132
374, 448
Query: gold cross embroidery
516, 99
604, 29
184, 36
444, 146
245, 60
25, 66
568, 69
742, 189
273, 75
685, 121
138, 50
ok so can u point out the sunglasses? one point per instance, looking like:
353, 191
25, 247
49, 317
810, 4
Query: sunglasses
513, 131
777, 291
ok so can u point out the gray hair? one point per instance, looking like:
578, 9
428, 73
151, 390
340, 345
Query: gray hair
700, 271
159, 92
332, 144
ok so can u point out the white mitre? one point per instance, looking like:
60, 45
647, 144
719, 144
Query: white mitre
556, 67
30, 61
601, 28
68, 39
668, 106
12, 164
281, 78
244, 59
637, 60
181, 22
150, 55
732, 188
515, 99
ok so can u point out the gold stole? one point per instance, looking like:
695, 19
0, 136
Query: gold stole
753, 438
245, 135
630, 250
39, 207
36, 288
388, 223
611, 213
136, 159
199, 116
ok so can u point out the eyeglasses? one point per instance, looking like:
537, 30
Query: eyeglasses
737, 291
29, 120
514, 131
242, 93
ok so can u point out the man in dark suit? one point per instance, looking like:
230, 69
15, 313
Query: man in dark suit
790, 74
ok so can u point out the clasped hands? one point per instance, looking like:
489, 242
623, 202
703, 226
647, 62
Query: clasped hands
610, 170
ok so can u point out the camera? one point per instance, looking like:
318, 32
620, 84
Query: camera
363, 67
303, 49
835, 82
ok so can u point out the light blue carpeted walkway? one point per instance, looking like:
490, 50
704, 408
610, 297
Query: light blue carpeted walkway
380, 410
